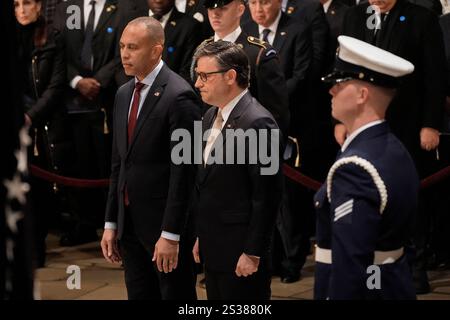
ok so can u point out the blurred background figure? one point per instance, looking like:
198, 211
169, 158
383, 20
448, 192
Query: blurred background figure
93, 68
181, 33
42, 72
16, 274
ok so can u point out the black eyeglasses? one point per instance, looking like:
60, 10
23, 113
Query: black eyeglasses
204, 75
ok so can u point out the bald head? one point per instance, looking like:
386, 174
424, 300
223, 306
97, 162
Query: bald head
141, 46
153, 27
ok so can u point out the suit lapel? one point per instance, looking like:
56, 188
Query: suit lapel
109, 10
122, 116
171, 24
153, 95
291, 7
394, 37
281, 34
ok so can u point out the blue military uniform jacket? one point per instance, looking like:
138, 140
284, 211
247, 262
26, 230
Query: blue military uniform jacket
364, 213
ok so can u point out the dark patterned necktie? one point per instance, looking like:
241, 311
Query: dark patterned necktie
86, 51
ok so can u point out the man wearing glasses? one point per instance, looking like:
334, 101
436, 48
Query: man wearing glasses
267, 82
235, 204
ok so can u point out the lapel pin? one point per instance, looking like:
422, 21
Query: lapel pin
333, 12
110, 30
191, 3
290, 10
157, 93
173, 23
110, 8
402, 18
283, 33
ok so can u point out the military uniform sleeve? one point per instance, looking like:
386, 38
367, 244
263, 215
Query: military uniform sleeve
272, 87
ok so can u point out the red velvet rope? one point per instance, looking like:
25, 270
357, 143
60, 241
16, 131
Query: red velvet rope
66, 181
300, 178
288, 171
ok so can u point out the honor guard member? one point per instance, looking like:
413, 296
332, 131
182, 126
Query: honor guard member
364, 209
267, 82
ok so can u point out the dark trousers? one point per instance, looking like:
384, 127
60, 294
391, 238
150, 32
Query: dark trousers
92, 148
142, 278
228, 286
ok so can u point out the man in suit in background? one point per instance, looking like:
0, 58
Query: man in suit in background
311, 13
291, 38
93, 61
181, 35
236, 203
334, 11
148, 197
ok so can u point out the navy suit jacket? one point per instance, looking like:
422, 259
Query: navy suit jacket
158, 189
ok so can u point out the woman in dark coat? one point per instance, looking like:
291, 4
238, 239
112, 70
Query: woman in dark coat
42, 72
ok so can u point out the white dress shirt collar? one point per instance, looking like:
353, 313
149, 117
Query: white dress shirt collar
226, 111
326, 5
164, 18
99, 5
273, 29
232, 37
351, 137
150, 78
148, 81
181, 5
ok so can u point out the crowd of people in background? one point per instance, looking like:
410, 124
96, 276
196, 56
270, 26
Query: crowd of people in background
75, 72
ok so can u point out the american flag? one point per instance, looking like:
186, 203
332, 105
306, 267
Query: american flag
16, 276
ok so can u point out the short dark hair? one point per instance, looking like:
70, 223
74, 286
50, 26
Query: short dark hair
228, 56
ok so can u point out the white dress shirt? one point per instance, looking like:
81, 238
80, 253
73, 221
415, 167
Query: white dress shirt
226, 111
232, 37
99, 5
181, 5
273, 29
326, 5
351, 137
164, 18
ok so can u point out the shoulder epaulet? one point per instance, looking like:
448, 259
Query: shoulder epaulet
257, 42
210, 39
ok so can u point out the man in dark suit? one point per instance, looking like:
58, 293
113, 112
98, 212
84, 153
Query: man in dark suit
267, 83
366, 206
291, 38
148, 197
334, 11
415, 114
288, 37
90, 34
236, 201
181, 35
311, 13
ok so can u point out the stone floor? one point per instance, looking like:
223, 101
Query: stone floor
103, 281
